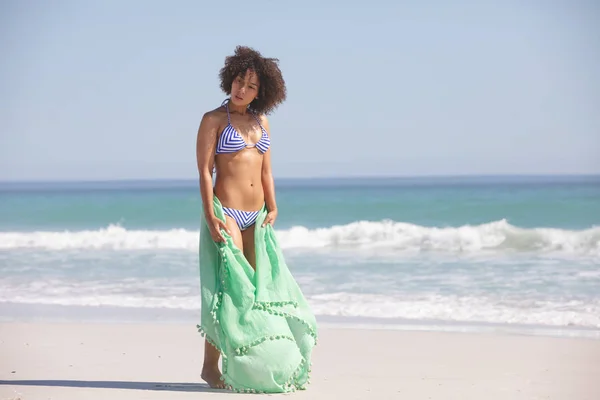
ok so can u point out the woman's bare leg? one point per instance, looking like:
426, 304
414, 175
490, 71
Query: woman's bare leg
210, 370
249, 247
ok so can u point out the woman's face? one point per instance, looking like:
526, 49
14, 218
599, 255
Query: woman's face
244, 88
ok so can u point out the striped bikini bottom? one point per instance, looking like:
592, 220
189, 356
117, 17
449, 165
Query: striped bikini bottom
244, 219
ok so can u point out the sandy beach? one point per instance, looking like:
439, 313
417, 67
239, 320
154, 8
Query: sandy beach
163, 361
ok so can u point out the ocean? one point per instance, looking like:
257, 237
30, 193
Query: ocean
479, 254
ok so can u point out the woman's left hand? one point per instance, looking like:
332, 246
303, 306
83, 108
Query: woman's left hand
270, 218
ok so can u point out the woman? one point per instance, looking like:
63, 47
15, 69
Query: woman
253, 312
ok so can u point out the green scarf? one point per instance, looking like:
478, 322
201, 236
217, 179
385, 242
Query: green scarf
259, 321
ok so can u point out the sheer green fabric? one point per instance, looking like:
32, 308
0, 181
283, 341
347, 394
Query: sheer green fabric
259, 321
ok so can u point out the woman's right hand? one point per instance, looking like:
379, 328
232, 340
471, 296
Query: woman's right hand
215, 225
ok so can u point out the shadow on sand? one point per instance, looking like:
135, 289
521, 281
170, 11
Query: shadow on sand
165, 386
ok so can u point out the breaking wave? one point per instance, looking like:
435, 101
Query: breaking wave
385, 235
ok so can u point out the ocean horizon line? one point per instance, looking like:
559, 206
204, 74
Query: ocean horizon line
313, 178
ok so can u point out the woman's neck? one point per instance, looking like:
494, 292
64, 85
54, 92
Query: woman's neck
237, 109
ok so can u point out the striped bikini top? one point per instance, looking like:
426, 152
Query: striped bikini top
232, 142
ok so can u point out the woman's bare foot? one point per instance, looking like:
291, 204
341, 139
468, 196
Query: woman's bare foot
212, 376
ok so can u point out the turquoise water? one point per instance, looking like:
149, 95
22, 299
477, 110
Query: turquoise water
503, 250
571, 203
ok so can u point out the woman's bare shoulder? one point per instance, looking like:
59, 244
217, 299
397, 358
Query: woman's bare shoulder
264, 122
215, 115
213, 120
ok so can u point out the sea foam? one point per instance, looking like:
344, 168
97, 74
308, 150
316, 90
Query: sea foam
381, 235
416, 307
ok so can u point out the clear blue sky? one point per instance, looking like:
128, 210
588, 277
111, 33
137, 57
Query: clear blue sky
116, 89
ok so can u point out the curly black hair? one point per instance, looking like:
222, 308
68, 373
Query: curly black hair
272, 91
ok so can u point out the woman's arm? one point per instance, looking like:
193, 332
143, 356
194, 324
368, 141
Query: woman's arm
205, 155
267, 176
